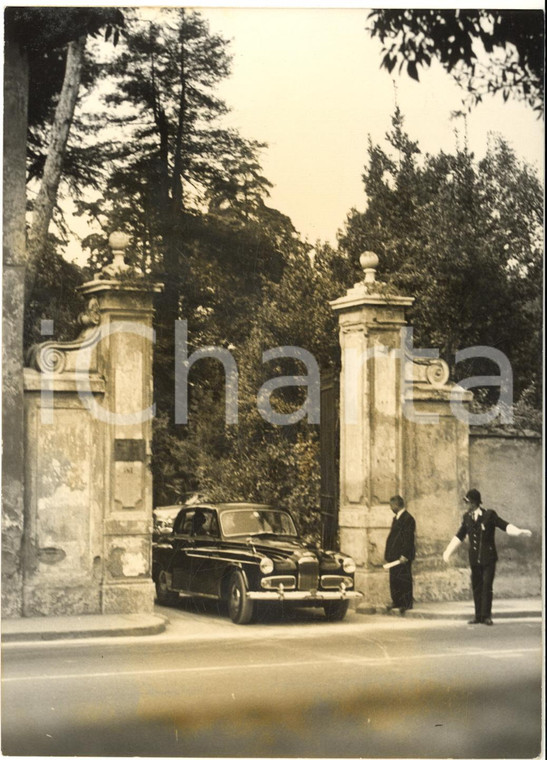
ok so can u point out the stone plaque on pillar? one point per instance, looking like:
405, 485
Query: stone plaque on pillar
128, 485
129, 455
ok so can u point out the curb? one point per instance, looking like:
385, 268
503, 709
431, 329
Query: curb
502, 614
48, 629
417, 614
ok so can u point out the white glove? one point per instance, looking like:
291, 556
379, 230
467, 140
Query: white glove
512, 530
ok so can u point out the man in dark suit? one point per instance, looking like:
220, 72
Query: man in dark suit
400, 548
479, 525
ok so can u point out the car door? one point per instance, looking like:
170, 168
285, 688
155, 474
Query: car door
183, 543
205, 560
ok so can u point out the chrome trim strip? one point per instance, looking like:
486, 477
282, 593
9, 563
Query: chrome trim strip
192, 594
301, 595
236, 560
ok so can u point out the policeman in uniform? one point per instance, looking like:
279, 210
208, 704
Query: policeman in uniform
480, 525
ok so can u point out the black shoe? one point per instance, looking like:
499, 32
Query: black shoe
474, 621
488, 621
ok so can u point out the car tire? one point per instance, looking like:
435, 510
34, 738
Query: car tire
164, 594
336, 610
240, 607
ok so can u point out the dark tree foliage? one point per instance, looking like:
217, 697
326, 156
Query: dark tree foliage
54, 298
192, 194
168, 160
256, 459
465, 238
513, 41
44, 34
38, 29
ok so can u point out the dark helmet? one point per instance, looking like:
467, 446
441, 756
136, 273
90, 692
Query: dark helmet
474, 496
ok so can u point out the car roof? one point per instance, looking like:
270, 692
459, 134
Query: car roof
228, 505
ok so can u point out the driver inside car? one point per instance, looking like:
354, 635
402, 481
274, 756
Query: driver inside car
204, 524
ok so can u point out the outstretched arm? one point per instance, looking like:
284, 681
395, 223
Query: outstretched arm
512, 530
454, 543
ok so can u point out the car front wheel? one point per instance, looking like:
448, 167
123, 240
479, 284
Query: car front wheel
240, 607
336, 610
163, 593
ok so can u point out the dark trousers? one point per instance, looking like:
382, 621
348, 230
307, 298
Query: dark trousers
400, 585
482, 581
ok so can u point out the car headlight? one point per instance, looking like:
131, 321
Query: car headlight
349, 565
266, 565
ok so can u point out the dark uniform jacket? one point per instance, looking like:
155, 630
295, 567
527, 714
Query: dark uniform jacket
481, 532
401, 541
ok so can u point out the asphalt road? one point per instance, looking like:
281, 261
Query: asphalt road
297, 688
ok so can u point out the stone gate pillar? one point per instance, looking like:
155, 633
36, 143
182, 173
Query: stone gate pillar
386, 393
124, 359
371, 457
88, 521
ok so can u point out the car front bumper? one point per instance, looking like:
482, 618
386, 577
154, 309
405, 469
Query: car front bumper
309, 596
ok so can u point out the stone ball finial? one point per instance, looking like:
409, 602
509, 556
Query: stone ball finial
119, 241
369, 262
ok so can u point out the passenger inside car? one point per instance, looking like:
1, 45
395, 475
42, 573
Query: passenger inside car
204, 523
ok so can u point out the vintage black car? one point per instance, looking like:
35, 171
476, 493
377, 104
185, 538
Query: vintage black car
242, 553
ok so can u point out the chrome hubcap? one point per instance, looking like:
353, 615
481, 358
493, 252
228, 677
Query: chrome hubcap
236, 597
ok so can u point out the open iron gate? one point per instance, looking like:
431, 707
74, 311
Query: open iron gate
329, 458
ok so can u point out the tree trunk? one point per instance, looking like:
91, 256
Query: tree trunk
47, 194
14, 200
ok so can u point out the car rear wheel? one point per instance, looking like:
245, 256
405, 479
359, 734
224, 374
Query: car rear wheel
163, 593
336, 610
240, 607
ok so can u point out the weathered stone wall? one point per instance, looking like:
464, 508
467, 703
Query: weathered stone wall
88, 484
436, 456
64, 511
508, 471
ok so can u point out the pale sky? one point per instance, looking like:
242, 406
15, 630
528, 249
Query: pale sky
308, 82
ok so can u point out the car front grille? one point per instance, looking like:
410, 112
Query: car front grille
336, 581
287, 581
308, 573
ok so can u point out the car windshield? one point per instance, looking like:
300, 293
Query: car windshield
253, 522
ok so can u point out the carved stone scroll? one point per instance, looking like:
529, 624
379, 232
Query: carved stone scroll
419, 369
56, 357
